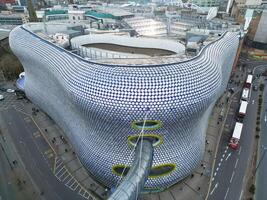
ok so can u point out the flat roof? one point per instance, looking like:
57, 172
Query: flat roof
4, 34
55, 12
99, 15
117, 12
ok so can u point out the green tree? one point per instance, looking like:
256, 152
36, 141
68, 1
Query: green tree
32, 13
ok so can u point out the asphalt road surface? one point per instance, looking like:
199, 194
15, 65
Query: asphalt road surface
31, 153
7, 190
261, 182
231, 165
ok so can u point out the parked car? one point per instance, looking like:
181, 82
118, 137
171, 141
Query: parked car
10, 90
2, 97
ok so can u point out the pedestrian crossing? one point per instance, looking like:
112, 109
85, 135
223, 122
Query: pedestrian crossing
9, 99
64, 176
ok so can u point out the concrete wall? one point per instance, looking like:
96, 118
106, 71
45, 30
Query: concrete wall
129, 41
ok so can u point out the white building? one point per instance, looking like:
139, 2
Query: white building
76, 16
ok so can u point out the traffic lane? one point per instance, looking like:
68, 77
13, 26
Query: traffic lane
231, 173
6, 189
261, 191
39, 141
34, 159
24, 139
29, 153
246, 152
225, 176
224, 161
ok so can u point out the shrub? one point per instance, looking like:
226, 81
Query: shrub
261, 87
252, 189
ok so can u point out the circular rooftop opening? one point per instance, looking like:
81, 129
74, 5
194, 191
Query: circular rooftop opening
155, 172
146, 125
155, 139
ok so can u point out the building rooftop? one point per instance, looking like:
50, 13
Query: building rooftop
117, 12
112, 49
55, 12
99, 15
4, 34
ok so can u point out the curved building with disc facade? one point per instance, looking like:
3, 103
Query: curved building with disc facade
104, 107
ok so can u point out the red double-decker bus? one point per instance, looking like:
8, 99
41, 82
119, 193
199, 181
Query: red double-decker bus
233, 143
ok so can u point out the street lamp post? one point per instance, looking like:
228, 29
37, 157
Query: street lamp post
264, 151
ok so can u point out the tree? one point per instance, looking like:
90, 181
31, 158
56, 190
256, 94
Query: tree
10, 66
261, 87
252, 189
32, 13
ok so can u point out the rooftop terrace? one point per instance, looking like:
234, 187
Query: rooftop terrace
111, 49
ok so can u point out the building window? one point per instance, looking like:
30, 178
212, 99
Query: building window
155, 172
73, 17
155, 139
79, 18
146, 125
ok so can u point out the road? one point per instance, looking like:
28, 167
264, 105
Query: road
31, 152
261, 181
6, 189
231, 165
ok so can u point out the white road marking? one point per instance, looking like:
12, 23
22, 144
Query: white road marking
66, 178
225, 150
223, 155
215, 174
219, 164
70, 180
216, 185
63, 174
265, 118
226, 193
212, 179
228, 156
73, 184
241, 194
236, 162
82, 192
227, 147
58, 160
59, 165
253, 101
217, 169
239, 150
232, 176
59, 171
221, 159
